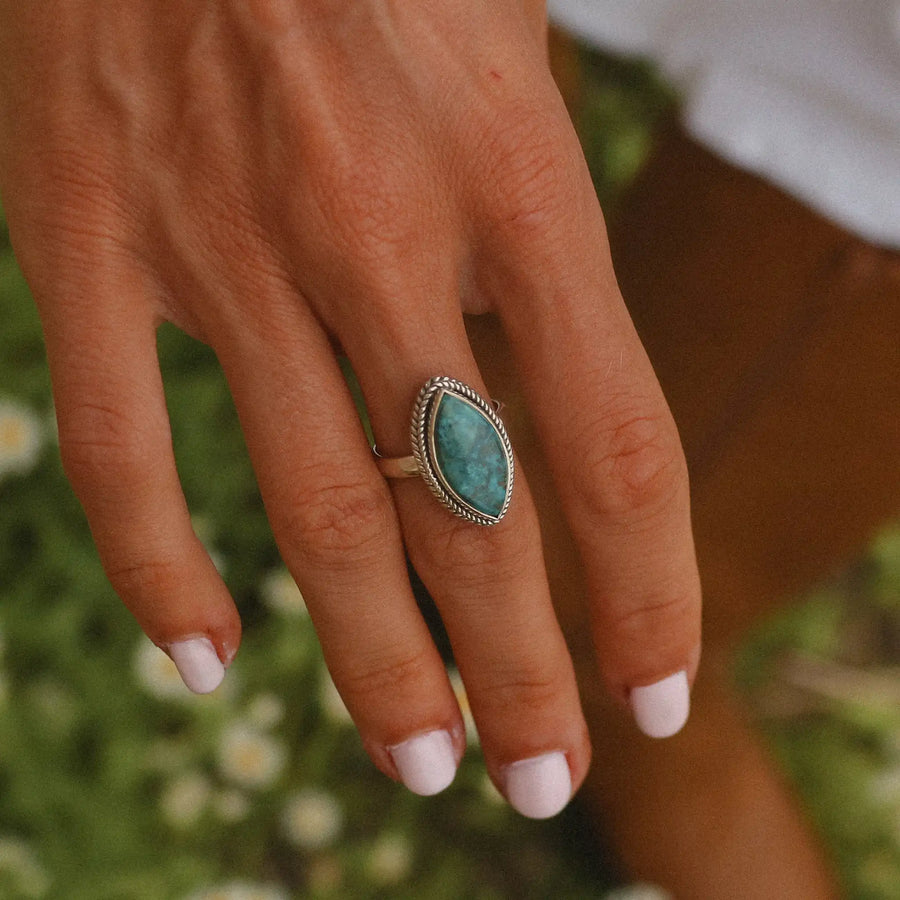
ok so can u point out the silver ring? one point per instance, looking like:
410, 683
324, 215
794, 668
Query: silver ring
461, 449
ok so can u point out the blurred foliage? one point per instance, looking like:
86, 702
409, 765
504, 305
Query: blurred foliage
824, 679
619, 107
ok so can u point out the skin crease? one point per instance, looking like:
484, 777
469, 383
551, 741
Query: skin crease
281, 178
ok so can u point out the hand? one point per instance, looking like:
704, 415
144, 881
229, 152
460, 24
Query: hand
278, 178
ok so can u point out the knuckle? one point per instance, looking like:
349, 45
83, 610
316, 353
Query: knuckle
638, 469
337, 522
532, 181
657, 623
76, 217
101, 443
222, 220
529, 689
471, 555
395, 675
145, 578
370, 207
81, 203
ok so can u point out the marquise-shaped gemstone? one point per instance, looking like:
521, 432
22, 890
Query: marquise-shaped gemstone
470, 457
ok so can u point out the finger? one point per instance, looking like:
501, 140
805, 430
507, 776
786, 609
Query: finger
336, 526
116, 448
603, 421
488, 582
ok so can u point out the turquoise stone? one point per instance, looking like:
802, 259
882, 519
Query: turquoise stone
470, 455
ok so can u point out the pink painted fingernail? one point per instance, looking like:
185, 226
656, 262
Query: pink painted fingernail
198, 664
426, 763
661, 709
539, 787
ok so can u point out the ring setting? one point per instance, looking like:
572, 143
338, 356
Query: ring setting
461, 450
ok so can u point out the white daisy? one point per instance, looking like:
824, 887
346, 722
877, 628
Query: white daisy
20, 863
312, 818
157, 674
263, 892
265, 710
281, 594
390, 859
884, 786
21, 438
240, 890
249, 757
184, 799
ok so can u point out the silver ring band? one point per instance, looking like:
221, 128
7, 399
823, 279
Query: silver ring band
396, 466
461, 449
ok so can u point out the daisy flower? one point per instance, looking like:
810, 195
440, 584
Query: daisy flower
20, 864
265, 711
312, 819
184, 799
390, 859
241, 890
157, 674
281, 594
21, 438
249, 757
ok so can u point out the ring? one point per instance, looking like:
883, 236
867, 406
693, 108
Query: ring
461, 449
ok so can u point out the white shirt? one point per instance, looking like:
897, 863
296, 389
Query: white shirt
803, 92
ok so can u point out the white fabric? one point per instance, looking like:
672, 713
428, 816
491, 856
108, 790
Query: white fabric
803, 92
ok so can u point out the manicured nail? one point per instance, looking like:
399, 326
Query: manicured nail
198, 664
426, 763
539, 787
661, 709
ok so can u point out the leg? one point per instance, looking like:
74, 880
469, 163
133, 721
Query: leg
775, 336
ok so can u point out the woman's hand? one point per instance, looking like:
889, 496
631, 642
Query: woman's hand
278, 177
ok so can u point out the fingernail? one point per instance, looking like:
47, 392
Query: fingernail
426, 763
198, 664
661, 709
539, 787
